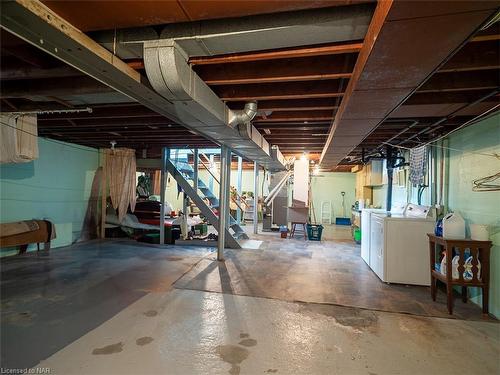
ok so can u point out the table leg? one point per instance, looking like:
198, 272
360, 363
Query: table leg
433, 288
449, 298
464, 294
486, 296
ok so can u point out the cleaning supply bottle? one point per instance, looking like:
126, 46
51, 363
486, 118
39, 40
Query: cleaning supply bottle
453, 226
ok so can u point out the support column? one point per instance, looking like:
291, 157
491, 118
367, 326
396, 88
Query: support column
195, 167
223, 201
104, 195
165, 154
228, 187
238, 189
255, 197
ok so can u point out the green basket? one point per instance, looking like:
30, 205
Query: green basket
314, 232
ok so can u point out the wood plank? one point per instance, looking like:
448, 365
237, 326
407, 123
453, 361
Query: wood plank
49, 87
282, 70
484, 38
286, 90
297, 116
378, 19
291, 105
462, 81
330, 49
474, 56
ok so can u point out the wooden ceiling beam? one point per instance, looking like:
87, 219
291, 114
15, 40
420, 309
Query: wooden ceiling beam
474, 56
286, 90
53, 87
283, 70
291, 104
297, 116
329, 49
423, 98
111, 121
462, 81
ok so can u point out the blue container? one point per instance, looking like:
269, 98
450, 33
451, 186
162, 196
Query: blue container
314, 232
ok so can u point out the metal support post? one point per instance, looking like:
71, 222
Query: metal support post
255, 197
223, 201
164, 156
238, 188
195, 168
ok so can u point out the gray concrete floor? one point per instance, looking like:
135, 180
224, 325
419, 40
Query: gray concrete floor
121, 307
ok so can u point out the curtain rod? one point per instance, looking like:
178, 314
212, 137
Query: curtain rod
51, 111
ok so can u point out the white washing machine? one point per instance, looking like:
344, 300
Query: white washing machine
399, 247
366, 217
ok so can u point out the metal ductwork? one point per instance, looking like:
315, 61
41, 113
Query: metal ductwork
200, 109
246, 115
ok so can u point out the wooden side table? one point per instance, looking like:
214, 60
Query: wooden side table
480, 252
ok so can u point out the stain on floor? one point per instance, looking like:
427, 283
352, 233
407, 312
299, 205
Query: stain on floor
248, 342
355, 318
244, 335
151, 313
109, 349
24, 318
233, 355
272, 370
144, 340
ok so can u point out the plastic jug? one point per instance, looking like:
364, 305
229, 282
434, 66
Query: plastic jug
454, 226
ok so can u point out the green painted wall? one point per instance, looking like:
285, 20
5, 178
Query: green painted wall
467, 163
327, 187
54, 187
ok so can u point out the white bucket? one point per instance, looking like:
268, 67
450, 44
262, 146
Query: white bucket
479, 232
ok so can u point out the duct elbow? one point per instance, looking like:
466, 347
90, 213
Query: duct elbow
243, 116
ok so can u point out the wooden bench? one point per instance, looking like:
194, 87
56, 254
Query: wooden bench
43, 234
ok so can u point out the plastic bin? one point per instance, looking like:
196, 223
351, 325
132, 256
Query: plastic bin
357, 235
314, 232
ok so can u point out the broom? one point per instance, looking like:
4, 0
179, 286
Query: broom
343, 220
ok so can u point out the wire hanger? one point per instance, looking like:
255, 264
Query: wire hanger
485, 183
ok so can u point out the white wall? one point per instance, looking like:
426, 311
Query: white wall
327, 187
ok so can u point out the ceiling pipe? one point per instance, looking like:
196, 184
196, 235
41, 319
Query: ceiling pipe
243, 116
198, 106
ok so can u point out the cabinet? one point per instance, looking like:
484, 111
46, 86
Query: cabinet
368, 176
362, 191
373, 173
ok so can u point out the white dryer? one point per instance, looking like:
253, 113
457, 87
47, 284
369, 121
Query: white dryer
399, 249
366, 217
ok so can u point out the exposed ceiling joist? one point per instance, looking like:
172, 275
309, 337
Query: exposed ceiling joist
331, 49
285, 70
288, 90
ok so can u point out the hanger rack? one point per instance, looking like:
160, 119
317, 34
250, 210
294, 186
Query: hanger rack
51, 111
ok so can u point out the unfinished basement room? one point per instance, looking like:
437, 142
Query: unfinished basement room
305, 187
